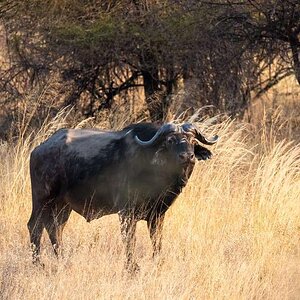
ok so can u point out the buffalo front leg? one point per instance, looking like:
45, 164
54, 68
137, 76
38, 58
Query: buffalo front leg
155, 226
128, 228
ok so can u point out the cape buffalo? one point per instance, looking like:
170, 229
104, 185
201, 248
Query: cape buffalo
136, 172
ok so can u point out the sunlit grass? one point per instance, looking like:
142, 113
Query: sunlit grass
232, 234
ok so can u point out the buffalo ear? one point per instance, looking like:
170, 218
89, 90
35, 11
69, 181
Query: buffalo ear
202, 153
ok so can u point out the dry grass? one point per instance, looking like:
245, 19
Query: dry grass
232, 234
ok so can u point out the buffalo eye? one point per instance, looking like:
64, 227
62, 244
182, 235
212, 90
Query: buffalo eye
171, 140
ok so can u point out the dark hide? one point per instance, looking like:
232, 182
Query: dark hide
97, 173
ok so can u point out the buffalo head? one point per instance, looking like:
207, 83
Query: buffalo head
178, 144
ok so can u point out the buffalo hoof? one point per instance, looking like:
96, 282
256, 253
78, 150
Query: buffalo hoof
158, 261
132, 268
37, 263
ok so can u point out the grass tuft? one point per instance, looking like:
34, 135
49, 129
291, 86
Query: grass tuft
232, 234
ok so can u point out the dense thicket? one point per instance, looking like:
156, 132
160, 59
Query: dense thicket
104, 48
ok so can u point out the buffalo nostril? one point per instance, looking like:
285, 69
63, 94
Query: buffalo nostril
192, 156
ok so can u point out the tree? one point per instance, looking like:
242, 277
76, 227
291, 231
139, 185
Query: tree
104, 48
271, 26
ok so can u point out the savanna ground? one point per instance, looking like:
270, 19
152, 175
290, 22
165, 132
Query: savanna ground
234, 232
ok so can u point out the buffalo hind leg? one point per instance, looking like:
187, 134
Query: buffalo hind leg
128, 228
35, 226
155, 225
54, 222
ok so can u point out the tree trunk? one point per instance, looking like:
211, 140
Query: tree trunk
295, 47
152, 89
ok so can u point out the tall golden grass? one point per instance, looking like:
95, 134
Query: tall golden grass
232, 234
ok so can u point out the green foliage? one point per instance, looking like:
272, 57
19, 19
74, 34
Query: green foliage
99, 32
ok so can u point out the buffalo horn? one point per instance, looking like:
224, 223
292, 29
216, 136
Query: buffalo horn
167, 128
188, 127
